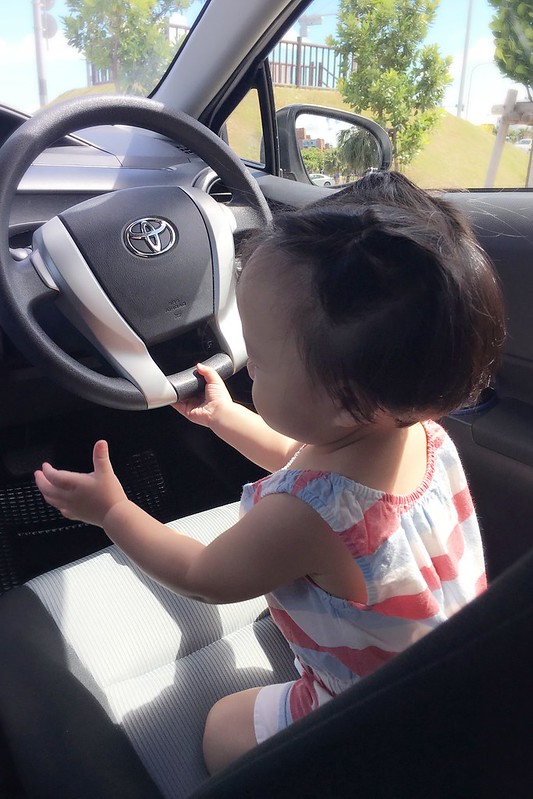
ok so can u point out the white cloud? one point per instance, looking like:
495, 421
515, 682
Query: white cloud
179, 19
292, 35
484, 85
58, 49
23, 50
481, 50
62, 67
20, 52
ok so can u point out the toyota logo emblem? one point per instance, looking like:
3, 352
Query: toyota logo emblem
150, 236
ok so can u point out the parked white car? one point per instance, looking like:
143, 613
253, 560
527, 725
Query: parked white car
322, 180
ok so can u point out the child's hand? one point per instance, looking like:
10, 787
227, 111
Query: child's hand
203, 409
86, 497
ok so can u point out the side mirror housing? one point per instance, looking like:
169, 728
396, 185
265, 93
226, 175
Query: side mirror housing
350, 141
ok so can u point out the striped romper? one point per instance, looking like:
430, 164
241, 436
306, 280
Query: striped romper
422, 560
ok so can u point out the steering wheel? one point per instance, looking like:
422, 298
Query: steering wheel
130, 268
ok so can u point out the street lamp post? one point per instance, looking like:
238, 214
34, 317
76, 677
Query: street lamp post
476, 66
44, 27
465, 59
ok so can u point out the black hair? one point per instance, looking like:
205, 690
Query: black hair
399, 309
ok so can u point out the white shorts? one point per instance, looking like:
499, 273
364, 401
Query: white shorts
271, 710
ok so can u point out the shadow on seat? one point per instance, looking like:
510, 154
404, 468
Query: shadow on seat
450, 717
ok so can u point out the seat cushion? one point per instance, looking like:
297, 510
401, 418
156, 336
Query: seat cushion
154, 662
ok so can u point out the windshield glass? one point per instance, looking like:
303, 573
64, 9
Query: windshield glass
450, 80
54, 49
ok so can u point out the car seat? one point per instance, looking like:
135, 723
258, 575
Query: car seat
106, 679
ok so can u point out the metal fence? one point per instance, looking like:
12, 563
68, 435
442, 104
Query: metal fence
95, 77
307, 65
292, 63
295, 63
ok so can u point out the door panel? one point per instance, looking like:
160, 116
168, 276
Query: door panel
496, 441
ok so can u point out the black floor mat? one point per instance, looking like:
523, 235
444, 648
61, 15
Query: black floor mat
166, 465
34, 537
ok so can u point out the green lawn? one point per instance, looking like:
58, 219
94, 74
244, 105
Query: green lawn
457, 155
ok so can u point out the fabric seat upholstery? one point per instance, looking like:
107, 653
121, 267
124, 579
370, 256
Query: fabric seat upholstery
154, 661
95, 701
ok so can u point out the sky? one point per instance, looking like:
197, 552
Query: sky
483, 85
63, 67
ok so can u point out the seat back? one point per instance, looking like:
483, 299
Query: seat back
449, 717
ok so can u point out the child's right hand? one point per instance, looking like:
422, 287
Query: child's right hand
202, 409
86, 497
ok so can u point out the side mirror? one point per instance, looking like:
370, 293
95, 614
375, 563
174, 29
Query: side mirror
329, 147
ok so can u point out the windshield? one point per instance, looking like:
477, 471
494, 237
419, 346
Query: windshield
54, 49
436, 74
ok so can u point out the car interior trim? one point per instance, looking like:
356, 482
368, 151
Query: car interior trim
195, 96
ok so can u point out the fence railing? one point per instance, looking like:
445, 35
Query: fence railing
307, 65
292, 63
95, 77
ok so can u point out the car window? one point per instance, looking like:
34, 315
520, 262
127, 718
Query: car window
457, 139
243, 128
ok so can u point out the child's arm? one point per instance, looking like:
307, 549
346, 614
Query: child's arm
279, 540
243, 429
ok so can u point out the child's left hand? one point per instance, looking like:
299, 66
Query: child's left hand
86, 497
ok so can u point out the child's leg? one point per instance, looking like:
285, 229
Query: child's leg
229, 729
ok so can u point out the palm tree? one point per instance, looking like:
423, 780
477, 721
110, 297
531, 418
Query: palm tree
358, 150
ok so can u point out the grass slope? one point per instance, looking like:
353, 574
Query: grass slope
456, 155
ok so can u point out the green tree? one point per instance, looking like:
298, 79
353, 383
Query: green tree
332, 161
313, 159
388, 72
358, 150
127, 37
512, 26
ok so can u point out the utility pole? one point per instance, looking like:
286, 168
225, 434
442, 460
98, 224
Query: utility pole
465, 59
44, 27
38, 35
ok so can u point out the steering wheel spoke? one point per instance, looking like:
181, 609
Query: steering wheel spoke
34, 283
245, 221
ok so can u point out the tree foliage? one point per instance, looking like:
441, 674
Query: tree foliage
358, 150
327, 160
388, 72
512, 26
313, 159
332, 162
127, 37
355, 153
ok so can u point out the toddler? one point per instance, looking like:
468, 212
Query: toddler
366, 316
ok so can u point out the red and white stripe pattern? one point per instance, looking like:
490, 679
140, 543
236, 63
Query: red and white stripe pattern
421, 557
